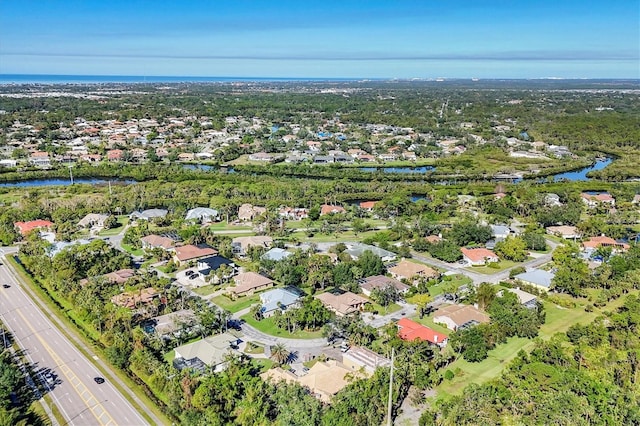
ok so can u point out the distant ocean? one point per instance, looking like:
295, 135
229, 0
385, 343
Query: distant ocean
92, 79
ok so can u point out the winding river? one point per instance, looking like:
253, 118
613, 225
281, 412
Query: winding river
576, 175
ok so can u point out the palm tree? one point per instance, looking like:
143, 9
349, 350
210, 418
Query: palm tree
279, 353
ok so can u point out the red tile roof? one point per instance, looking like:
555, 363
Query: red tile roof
602, 241
26, 227
411, 330
478, 254
367, 204
328, 209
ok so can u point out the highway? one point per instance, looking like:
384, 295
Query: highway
73, 390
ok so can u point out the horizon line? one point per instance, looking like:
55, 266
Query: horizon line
441, 77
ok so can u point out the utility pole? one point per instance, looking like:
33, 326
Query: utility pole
390, 389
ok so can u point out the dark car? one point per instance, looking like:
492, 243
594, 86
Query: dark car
5, 286
98, 380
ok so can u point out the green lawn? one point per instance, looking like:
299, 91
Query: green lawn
268, 327
502, 265
255, 349
557, 320
122, 221
480, 372
169, 356
455, 282
340, 237
263, 364
205, 290
224, 226
428, 321
129, 249
394, 307
235, 305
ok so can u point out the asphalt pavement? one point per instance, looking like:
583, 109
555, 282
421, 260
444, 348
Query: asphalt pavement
71, 384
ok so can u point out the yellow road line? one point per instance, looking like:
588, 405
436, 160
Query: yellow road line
91, 402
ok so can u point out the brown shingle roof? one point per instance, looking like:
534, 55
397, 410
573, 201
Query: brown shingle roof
406, 269
249, 281
189, 252
344, 304
158, 241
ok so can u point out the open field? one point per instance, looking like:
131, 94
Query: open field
558, 319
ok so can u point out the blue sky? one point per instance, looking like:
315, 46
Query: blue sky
309, 38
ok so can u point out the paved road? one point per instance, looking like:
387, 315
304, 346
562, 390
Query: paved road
479, 278
80, 399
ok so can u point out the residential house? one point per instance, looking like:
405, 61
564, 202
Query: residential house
388, 156
8, 163
433, 239
240, 245
593, 199
40, 159
261, 156
202, 214
148, 214
248, 283
366, 158
212, 351
538, 278
564, 231
120, 276
456, 317
380, 282
356, 152
276, 254
248, 212
209, 264
326, 209
368, 206
360, 358
500, 232
93, 220
135, 298
594, 243
410, 330
324, 379
323, 159
343, 304
25, 227
296, 213
157, 241
279, 299
412, 271
166, 325
636, 199
115, 155
193, 252
186, 156
355, 250
528, 300
552, 200
478, 256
